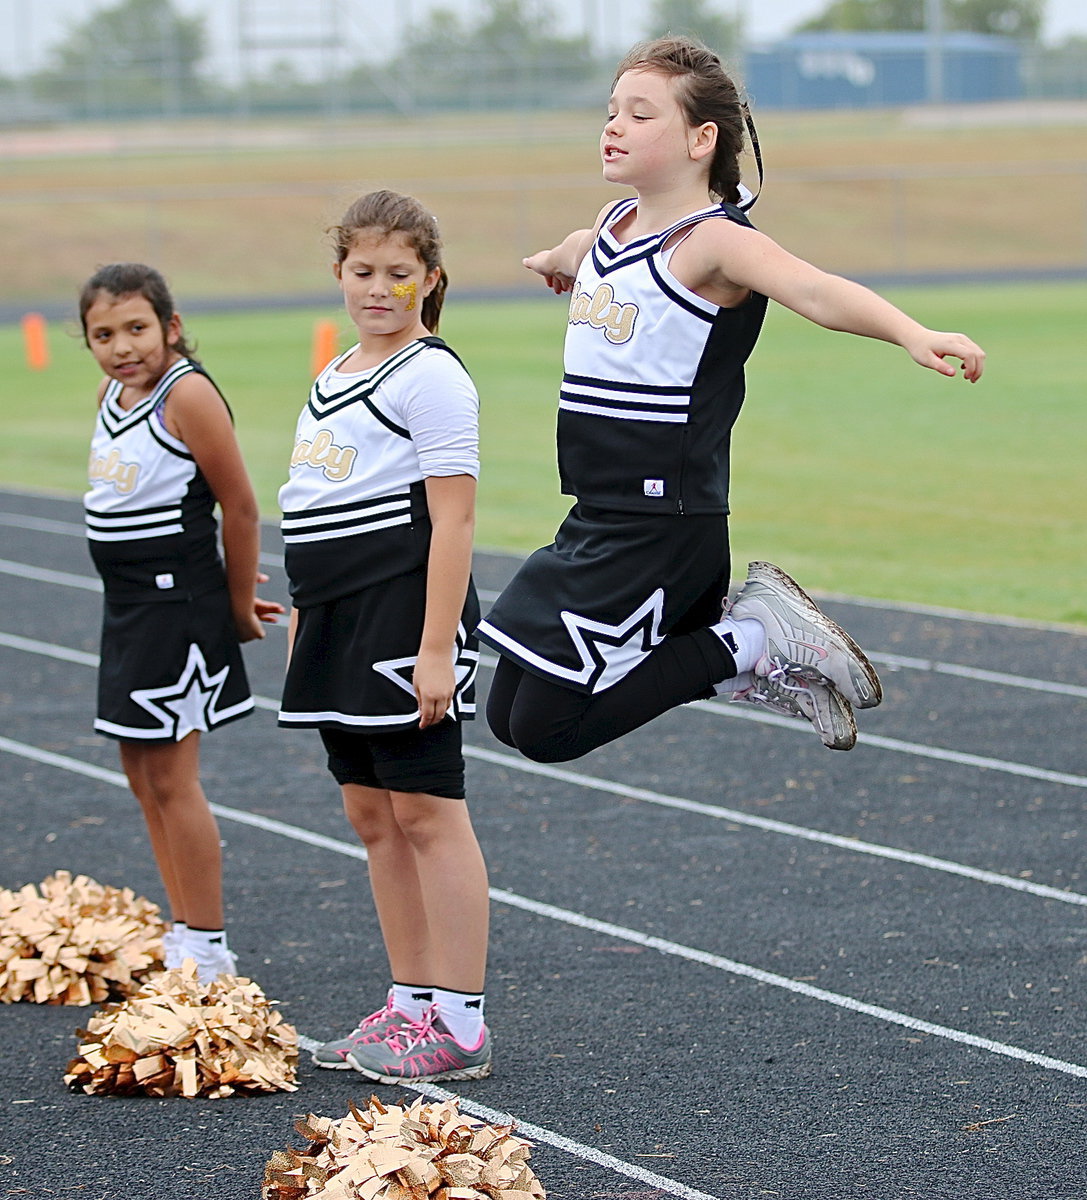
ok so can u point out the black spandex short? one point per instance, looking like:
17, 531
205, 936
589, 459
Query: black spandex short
405, 760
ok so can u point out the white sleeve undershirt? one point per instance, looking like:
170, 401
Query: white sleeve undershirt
439, 406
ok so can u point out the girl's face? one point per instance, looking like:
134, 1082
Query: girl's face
128, 340
647, 143
384, 283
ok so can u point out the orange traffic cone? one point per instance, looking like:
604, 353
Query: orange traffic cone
326, 338
35, 341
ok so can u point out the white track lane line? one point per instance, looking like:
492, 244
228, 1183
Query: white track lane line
537, 1133
513, 762
737, 817
306, 837
43, 575
581, 921
894, 661
937, 753
92, 584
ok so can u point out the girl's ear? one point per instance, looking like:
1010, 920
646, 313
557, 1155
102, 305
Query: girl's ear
702, 141
431, 280
173, 330
337, 270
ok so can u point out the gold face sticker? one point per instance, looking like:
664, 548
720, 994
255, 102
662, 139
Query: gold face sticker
405, 291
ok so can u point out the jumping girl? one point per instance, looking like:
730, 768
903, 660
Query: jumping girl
162, 454
621, 617
378, 518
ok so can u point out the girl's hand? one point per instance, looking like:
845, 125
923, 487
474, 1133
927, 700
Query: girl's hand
930, 349
543, 264
267, 611
434, 681
264, 612
248, 625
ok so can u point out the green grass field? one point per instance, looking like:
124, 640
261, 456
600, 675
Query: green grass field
855, 469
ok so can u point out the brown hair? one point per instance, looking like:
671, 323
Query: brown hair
705, 92
133, 279
391, 212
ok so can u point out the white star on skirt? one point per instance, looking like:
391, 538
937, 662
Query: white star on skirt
610, 652
189, 704
465, 664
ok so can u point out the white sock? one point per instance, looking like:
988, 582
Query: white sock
462, 1015
745, 639
738, 683
179, 929
203, 938
412, 999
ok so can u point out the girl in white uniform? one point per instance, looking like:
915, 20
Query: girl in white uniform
620, 618
378, 517
162, 454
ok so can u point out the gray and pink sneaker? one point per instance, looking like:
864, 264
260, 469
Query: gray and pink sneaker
425, 1050
372, 1029
795, 696
802, 641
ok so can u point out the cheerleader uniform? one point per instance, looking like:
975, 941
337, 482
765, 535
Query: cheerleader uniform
170, 658
653, 383
356, 535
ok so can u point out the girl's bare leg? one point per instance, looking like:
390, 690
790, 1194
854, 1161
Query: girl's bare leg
453, 881
394, 882
165, 778
429, 884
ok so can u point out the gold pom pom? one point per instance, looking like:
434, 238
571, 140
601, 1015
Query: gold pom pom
76, 941
179, 1037
421, 1152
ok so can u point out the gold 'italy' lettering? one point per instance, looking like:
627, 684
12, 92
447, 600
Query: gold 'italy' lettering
599, 310
335, 461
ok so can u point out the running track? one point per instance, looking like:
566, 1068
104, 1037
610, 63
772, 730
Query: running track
725, 962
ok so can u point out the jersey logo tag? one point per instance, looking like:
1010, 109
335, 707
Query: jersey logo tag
653, 487
164, 582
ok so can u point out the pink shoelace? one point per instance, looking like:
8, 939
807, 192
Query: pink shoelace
375, 1018
412, 1034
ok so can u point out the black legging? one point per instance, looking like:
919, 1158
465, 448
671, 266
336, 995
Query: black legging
551, 723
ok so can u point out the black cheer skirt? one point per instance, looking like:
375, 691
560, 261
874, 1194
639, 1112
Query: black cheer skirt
169, 668
353, 658
586, 610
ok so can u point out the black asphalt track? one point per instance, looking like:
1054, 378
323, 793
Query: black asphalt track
725, 961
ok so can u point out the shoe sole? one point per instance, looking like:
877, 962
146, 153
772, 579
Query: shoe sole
841, 741
846, 739
774, 576
480, 1072
342, 1064
327, 1066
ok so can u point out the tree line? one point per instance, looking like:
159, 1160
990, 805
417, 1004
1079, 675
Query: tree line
146, 57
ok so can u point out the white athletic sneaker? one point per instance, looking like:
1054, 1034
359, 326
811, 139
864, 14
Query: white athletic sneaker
173, 952
793, 696
802, 641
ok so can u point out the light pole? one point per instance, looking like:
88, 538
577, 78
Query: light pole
934, 51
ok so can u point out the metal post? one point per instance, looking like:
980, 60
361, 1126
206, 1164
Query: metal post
934, 51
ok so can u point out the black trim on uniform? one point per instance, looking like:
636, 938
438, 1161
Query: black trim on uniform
649, 389
156, 434
678, 298
118, 420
